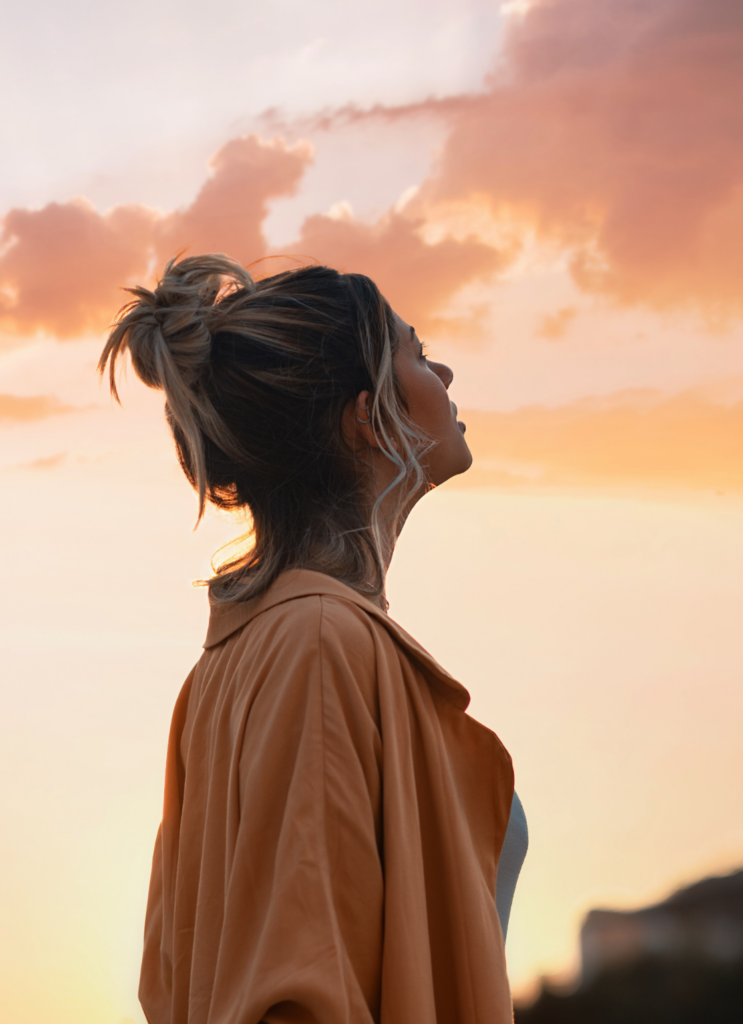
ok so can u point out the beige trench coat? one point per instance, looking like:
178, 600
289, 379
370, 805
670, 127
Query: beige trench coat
331, 830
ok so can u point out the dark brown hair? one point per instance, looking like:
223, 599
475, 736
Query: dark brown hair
256, 376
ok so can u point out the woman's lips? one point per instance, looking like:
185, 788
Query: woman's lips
462, 426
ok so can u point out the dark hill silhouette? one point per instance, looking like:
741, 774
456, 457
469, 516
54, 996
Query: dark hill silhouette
677, 962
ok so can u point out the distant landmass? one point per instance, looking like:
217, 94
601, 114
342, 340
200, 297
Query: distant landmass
677, 962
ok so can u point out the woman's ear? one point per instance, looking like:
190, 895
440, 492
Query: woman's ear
357, 422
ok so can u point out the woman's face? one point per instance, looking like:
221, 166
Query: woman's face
425, 385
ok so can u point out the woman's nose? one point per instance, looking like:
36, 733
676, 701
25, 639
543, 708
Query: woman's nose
445, 374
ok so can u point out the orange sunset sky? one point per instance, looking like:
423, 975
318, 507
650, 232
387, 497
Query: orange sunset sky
552, 193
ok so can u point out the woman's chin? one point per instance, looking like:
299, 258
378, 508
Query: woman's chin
465, 457
454, 466
466, 461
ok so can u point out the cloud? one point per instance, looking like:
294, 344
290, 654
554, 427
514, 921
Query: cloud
48, 462
62, 267
615, 130
418, 278
631, 440
555, 325
24, 409
228, 212
610, 131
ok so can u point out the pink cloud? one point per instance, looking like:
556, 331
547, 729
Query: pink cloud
613, 129
227, 214
62, 267
616, 128
418, 279
610, 128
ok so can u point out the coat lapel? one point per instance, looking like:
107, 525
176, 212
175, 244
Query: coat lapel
226, 619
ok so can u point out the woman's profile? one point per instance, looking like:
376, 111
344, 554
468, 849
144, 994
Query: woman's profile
340, 840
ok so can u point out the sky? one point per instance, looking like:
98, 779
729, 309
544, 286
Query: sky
552, 192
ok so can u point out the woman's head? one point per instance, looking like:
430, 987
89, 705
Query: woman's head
259, 378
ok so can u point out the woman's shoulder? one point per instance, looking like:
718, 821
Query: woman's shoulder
295, 641
301, 606
328, 625
304, 610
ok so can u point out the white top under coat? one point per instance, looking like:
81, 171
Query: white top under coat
512, 858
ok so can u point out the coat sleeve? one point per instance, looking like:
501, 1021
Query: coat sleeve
302, 932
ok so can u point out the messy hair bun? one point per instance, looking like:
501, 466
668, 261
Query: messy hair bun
168, 333
256, 375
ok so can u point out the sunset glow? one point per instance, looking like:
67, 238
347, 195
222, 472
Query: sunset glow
552, 193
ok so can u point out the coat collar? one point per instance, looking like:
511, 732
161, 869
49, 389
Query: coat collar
226, 619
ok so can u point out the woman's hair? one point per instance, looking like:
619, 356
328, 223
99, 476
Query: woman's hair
256, 376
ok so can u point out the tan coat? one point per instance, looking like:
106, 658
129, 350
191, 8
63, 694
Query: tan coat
331, 830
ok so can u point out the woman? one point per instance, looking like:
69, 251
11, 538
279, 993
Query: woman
333, 820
